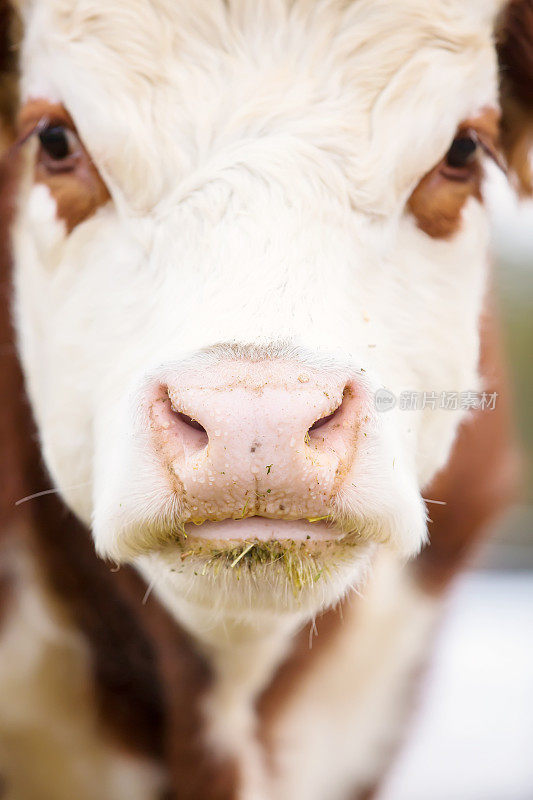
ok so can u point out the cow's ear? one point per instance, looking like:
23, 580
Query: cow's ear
9, 35
514, 41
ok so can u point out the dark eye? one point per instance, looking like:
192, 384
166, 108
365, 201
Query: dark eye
56, 141
462, 153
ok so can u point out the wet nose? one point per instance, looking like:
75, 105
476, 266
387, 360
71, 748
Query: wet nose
272, 439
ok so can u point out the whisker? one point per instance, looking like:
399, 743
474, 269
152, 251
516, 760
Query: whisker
435, 502
47, 492
148, 592
313, 631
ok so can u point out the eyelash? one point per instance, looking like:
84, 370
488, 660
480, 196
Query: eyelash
463, 156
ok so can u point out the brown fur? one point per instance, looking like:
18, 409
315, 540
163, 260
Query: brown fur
515, 53
8, 76
369, 794
79, 192
480, 479
438, 200
301, 659
63, 546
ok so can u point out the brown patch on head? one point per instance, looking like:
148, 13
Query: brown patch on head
9, 35
517, 142
438, 200
73, 180
515, 53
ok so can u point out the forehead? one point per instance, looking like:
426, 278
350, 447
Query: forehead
164, 91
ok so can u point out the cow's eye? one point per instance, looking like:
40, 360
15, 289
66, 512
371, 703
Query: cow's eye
462, 153
59, 146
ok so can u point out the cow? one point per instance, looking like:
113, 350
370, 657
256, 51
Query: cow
247, 282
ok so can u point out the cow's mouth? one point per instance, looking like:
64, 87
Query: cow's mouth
301, 551
263, 529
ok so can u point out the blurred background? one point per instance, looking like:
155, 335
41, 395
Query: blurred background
472, 737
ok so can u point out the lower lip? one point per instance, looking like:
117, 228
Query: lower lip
264, 530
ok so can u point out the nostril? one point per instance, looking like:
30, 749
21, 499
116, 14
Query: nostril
180, 423
192, 423
329, 417
323, 421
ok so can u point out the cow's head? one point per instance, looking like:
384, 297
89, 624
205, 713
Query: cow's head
245, 230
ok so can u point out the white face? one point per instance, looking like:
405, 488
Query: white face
252, 255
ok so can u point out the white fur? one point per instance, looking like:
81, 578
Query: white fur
259, 161
280, 194
259, 158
